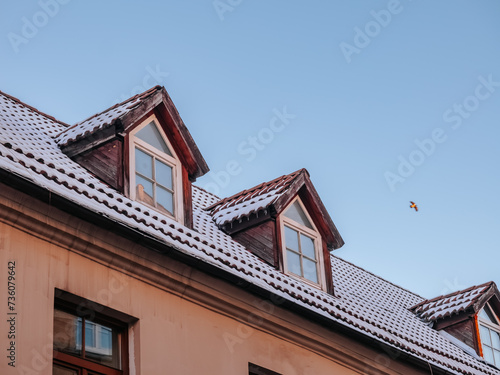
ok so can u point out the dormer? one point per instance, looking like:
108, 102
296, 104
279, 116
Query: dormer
142, 148
283, 222
472, 316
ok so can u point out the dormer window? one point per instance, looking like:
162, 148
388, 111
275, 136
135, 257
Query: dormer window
155, 170
489, 331
285, 224
302, 244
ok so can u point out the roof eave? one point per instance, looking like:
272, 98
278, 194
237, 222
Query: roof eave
82, 145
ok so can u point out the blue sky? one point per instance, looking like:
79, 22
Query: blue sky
382, 101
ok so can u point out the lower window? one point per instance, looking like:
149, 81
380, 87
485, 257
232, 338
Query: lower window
87, 341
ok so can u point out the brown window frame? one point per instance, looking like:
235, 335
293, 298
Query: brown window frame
100, 314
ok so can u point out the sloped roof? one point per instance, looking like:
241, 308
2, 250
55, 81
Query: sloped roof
123, 116
251, 201
101, 120
453, 304
364, 302
275, 196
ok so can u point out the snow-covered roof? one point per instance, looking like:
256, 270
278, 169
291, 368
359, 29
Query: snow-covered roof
103, 119
271, 199
450, 304
251, 201
363, 302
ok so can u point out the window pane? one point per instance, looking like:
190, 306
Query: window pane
488, 354
310, 271
307, 246
89, 335
67, 333
495, 338
293, 261
291, 239
165, 199
485, 335
143, 163
497, 357
487, 315
144, 190
106, 346
163, 174
59, 370
105, 339
296, 213
151, 135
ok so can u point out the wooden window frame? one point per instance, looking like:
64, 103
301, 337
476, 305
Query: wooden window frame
80, 307
172, 161
311, 233
489, 326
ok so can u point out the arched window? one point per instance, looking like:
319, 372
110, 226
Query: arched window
155, 177
302, 253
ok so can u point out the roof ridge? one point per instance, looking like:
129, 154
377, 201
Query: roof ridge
132, 98
256, 187
452, 294
377, 276
19, 101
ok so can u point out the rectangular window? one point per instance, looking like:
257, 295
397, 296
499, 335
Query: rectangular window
154, 181
89, 339
491, 344
301, 254
489, 330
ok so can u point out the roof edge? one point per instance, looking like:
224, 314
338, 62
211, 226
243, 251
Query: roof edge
449, 295
252, 189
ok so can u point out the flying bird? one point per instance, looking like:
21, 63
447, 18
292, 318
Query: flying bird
413, 205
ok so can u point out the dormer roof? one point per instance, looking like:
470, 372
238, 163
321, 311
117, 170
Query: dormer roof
119, 119
364, 304
251, 201
468, 302
272, 198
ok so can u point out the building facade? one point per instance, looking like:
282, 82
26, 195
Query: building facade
115, 262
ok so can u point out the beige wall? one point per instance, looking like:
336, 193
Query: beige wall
188, 322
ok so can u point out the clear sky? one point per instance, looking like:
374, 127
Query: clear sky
384, 102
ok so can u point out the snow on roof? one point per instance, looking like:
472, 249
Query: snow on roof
363, 302
103, 119
453, 303
251, 201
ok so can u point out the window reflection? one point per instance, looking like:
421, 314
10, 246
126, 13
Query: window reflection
87, 339
154, 182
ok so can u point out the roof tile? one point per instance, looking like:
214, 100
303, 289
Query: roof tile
251, 201
453, 303
364, 302
102, 120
